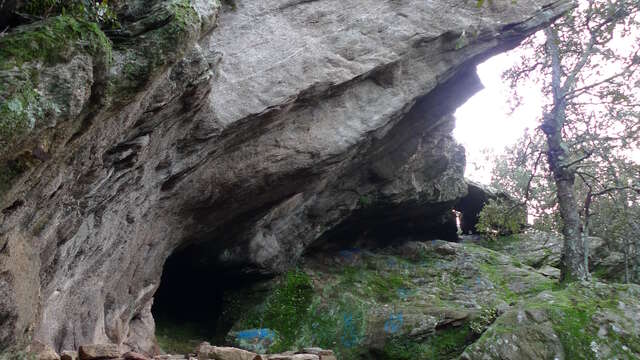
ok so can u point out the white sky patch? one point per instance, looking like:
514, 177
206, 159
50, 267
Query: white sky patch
484, 124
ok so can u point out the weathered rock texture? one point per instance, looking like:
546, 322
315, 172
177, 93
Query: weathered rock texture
596, 320
418, 300
249, 130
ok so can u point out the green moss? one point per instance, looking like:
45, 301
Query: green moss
285, 309
499, 280
501, 242
372, 283
10, 171
572, 326
145, 55
444, 344
48, 42
365, 201
340, 325
51, 41
572, 313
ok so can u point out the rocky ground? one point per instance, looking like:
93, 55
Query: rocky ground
419, 300
440, 300
204, 351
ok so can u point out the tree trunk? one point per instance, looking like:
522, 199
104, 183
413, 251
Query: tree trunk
574, 251
573, 257
635, 254
626, 261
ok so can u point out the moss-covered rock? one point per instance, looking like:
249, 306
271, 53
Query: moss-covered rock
582, 321
65, 70
27, 54
151, 43
420, 300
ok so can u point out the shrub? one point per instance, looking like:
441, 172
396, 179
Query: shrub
482, 322
500, 217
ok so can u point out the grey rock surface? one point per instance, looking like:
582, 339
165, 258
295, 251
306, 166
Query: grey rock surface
543, 327
250, 141
541, 249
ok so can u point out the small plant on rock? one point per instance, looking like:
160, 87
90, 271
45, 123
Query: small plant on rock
484, 320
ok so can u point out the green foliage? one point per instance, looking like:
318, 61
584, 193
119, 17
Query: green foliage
487, 316
499, 217
99, 12
365, 200
444, 344
285, 309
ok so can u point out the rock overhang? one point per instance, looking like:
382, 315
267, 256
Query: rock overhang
258, 155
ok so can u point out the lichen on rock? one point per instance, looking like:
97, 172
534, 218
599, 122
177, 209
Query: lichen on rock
28, 52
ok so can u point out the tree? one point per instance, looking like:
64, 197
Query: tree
587, 67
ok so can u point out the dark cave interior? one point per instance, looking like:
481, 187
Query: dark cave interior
190, 302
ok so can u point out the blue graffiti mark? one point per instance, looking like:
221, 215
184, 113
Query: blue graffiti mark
256, 334
348, 338
403, 293
394, 323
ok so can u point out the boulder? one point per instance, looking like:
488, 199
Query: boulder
225, 353
550, 271
69, 355
579, 322
539, 249
41, 351
417, 296
130, 355
99, 352
256, 340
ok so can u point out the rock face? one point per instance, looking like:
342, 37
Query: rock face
598, 321
245, 132
544, 249
441, 300
419, 300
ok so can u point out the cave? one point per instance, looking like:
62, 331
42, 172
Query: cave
190, 304
470, 207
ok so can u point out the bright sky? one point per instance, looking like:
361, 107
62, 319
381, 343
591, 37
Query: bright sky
483, 123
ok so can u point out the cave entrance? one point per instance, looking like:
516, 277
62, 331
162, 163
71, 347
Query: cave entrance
190, 305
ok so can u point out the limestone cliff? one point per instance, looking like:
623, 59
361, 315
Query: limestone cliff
240, 133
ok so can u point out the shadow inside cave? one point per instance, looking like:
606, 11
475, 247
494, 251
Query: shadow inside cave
191, 304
